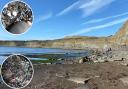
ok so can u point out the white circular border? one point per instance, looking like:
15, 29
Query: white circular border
3, 25
31, 76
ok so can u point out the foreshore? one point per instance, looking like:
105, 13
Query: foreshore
103, 69
79, 76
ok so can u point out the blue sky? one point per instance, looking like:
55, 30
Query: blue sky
55, 19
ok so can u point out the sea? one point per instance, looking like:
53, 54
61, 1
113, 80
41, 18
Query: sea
6, 51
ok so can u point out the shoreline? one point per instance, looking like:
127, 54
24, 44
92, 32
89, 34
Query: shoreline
103, 69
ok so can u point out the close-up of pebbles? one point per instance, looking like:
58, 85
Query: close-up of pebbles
16, 17
17, 71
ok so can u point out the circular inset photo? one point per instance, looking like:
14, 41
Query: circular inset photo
16, 17
17, 71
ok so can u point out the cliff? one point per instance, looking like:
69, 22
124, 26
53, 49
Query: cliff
66, 43
77, 42
121, 37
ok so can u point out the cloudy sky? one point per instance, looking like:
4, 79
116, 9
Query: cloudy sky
55, 19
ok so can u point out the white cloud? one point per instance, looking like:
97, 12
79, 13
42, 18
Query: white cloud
88, 7
103, 19
94, 6
44, 17
68, 9
86, 30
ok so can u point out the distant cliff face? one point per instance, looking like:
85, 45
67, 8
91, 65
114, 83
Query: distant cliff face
66, 43
80, 42
77, 42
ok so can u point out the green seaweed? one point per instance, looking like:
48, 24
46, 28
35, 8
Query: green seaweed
44, 61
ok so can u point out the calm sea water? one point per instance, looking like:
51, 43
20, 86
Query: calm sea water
4, 50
